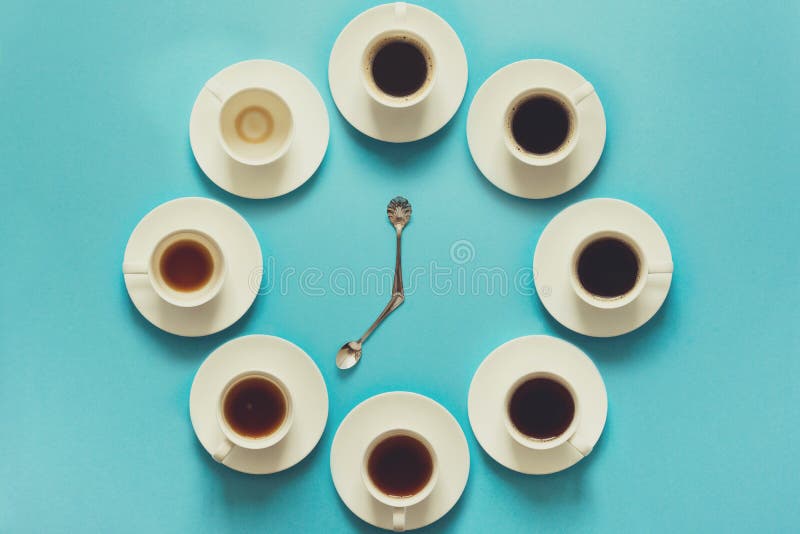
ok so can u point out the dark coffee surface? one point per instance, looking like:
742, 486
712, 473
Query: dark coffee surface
186, 265
540, 125
400, 466
541, 408
254, 407
608, 268
399, 68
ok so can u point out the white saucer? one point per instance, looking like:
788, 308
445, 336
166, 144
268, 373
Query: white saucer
413, 412
242, 255
308, 146
397, 125
294, 368
486, 131
498, 372
551, 266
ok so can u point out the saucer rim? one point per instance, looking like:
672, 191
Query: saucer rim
139, 296
632, 219
203, 135
478, 138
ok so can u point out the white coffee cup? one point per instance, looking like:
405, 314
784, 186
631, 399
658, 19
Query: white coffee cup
569, 101
532, 442
231, 437
255, 126
152, 268
377, 42
646, 268
399, 504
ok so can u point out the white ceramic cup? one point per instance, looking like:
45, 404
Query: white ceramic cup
184, 299
529, 441
399, 33
569, 101
256, 126
399, 504
646, 268
232, 438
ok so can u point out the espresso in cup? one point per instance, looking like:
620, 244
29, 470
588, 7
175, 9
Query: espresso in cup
185, 268
541, 408
399, 469
541, 123
400, 466
398, 69
186, 265
608, 267
254, 407
254, 412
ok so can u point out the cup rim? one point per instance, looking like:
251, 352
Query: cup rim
189, 299
276, 155
535, 443
403, 101
564, 150
608, 303
389, 500
265, 441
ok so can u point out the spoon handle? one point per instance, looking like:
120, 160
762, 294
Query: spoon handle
398, 294
396, 300
397, 285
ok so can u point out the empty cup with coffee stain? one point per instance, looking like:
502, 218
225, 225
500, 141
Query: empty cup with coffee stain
255, 125
609, 269
398, 66
542, 125
254, 412
399, 469
185, 268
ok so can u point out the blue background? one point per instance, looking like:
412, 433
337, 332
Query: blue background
702, 108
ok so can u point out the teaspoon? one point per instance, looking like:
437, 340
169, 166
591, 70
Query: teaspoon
399, 212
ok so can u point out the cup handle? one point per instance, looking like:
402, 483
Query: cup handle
660, 268
222, 451
399, 519
579, 93
134, 268
217, 89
